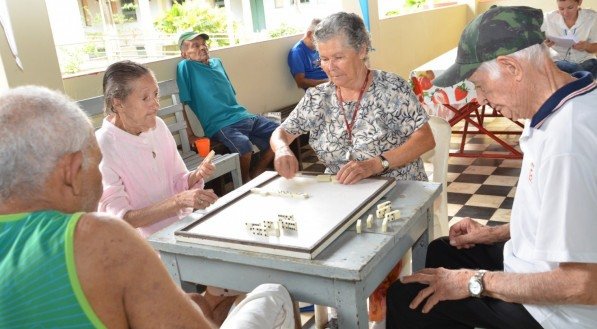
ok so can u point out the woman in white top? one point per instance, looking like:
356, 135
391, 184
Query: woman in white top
572, 22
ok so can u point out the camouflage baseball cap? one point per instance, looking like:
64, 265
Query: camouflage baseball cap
497, 32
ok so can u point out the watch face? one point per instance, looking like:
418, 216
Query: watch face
474, 288
385, 164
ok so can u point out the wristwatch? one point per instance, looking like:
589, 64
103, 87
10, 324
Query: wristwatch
475, 284
384, 163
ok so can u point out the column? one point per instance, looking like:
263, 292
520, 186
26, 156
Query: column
35, 44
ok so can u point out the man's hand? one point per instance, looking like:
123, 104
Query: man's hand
354, 171
581, 45
549, 43
285, 162
443, 284
466, 233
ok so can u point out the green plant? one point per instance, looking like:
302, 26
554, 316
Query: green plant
120, 19
415, 3
394, 12
191, 16
283, 30
129, 7
73, 60
89, 49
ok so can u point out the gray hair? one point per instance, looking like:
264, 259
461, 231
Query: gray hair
118, 79
537, 54
349, 25
313, 25
37, 127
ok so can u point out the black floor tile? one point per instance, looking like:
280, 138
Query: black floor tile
458, 198
475, 212
494, 190
469, 178
487, 162
456, 168
495, 148
477, 140
507, 203
311, 159
316, 167
495, 223
503, 171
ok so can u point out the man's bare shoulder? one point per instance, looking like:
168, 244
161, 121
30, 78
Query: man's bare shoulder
106, 240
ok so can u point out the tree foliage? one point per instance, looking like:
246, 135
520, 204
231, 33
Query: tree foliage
283, 30
190, 16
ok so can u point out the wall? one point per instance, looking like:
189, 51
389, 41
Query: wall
258, 72
405, 42
545, 5
33, 35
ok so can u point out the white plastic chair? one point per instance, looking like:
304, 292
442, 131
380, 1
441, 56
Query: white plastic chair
438, 157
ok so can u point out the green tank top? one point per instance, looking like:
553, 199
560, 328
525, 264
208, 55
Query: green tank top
39, 286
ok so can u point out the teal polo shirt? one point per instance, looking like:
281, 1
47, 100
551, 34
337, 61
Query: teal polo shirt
207, 90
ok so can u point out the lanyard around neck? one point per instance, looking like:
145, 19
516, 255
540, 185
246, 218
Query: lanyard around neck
356, 107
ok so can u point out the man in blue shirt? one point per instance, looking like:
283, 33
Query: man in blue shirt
205, 87
303, 60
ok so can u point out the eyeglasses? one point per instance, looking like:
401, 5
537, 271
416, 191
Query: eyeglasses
316, 63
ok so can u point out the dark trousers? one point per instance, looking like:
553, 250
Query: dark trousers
570, 67
466, 313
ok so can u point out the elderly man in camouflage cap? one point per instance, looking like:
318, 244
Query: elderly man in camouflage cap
540, 270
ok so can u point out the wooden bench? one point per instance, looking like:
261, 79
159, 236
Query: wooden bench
172, 113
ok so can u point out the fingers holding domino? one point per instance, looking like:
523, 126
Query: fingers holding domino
207, 168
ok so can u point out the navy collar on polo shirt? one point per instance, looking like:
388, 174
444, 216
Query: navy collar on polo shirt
584, 84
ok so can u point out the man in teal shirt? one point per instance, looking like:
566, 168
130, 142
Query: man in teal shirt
205, 87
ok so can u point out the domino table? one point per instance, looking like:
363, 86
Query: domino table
342, 275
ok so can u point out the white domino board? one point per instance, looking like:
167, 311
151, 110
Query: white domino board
329, 210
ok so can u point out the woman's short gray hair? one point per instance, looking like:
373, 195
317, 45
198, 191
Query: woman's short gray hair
37, 127
117, 81
534, 55
347, 24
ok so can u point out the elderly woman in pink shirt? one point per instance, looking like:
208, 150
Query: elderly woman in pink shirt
145, 180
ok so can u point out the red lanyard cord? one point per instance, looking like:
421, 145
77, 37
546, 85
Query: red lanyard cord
356, 107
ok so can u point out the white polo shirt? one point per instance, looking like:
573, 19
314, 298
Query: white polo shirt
585, 29
554, 216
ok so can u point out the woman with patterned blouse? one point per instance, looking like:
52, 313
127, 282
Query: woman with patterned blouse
362, 120
361, 123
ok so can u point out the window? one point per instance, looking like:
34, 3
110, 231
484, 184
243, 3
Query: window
279, 3
111, 30
389, 8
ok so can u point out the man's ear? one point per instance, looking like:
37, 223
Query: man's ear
73, 170
511, 66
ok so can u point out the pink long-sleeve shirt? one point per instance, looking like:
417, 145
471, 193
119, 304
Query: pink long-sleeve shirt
139, 171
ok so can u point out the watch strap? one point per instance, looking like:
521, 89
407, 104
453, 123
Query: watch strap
385, 164
478, 278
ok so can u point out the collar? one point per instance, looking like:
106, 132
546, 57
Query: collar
584, 84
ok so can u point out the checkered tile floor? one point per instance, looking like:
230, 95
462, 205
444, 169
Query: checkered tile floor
479, 188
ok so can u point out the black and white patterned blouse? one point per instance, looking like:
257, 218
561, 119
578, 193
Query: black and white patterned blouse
388, 115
